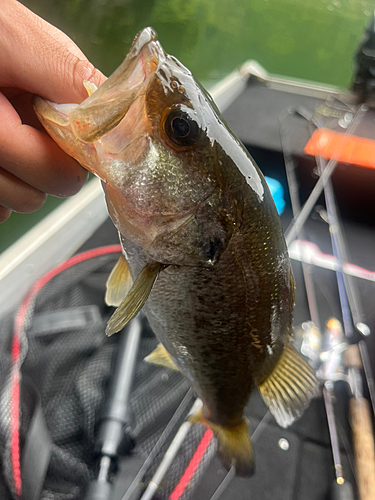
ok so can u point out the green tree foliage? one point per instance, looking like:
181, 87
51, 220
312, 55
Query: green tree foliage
310, 39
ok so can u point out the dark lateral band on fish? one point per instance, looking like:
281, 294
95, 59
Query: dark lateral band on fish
204, 254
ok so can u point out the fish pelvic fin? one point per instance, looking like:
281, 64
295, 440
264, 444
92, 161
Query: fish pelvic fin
135, 299
118, 284
233, 445
287, 391
160, 356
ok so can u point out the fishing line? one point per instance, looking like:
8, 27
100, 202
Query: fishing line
232, 472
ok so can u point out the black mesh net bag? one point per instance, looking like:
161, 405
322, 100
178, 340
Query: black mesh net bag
57, 372
56, 364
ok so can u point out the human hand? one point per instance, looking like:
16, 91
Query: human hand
35, 58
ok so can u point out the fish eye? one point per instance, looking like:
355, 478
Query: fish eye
181, 129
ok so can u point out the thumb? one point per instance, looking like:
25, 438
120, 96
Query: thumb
40, 59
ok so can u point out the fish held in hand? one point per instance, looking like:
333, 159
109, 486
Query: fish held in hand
203, 249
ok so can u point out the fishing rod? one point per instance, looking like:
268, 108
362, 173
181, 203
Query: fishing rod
351, 306
296, 207
349, 297
329, 373
355, 303
350, 300
333, 230
346, 289
363, 438
359, 412
299, 221
341, 489
368, 371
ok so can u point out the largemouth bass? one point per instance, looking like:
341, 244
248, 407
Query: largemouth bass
203, 249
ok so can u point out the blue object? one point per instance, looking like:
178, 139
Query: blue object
277, 192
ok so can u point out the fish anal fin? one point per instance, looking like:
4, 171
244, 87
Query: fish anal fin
135, 299
233, 445
119, 283
160, 356
287, 391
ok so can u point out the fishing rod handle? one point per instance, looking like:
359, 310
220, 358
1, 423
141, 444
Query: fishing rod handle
363, 443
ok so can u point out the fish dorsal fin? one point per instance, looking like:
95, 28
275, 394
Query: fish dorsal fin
119, 283
135, 299
288, 390
160, 356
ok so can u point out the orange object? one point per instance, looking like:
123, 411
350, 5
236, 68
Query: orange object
342, 147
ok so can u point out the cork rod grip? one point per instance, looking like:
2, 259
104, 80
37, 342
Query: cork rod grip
363, 442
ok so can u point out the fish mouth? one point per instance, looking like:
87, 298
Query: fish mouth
104, 109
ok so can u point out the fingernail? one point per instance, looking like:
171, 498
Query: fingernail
88, 72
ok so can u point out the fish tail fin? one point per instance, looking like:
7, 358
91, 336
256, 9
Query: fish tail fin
234, 446
287, 391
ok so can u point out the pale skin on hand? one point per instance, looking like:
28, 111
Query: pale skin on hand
36, 58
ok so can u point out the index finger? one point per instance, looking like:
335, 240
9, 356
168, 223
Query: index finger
39, 58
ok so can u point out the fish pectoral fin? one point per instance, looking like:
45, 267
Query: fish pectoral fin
119, 283
135, 299
233, 445
288, 390
160, 356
